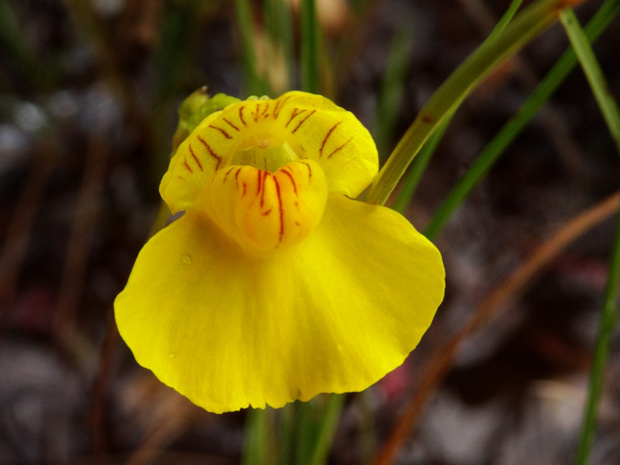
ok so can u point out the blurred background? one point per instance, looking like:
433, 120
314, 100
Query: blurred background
89, 91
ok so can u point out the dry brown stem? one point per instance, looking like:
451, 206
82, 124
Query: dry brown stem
508, 290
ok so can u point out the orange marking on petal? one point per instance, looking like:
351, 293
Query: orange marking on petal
279, 106
339, 148
187, 166
281, 209
237, 177
241, 115
211, 152
245, 186
329, 133
267, 212
260, 181
262, 193
230, 124
296, 112
226, 135
290, 176
191, 150
309, 168
226, 174
303, 121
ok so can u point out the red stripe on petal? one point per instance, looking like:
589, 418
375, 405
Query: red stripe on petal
281, 209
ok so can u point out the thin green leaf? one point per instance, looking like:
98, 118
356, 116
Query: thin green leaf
505, 19
609, 312
310, 34
253, 82
179, 31
592, 70
448, 97
327, 427
414, 175
286, 429
422, 160
511, 130
280, 29
255, 450
306, 431
391, 93
316, 422
607, 324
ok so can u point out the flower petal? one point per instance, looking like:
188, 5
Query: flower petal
194, 163
333, 137
264, 210
314, 127
334, 313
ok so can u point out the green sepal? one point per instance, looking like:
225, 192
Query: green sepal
194, 109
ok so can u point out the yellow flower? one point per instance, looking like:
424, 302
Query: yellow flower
275, 285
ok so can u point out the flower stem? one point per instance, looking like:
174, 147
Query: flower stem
494, 149
416, 171
449, 96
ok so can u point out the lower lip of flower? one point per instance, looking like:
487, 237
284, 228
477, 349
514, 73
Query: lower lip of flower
267, 198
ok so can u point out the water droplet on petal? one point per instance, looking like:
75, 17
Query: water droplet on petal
187, 258
172, 355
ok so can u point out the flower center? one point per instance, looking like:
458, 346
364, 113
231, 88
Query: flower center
264, 151
267, 198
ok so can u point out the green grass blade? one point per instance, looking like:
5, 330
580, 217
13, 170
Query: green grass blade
607, 324
414, 175
285, 432
254, 85
280, 29
179, 28
391, 93
609, 313
448, 97
255, 447
327, 427
505, 19
418, 168
592, 70
305, 430
310, 34
315, 426
511, 130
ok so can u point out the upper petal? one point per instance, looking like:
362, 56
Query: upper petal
333, 137
196, 160
332, 314
314, 127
